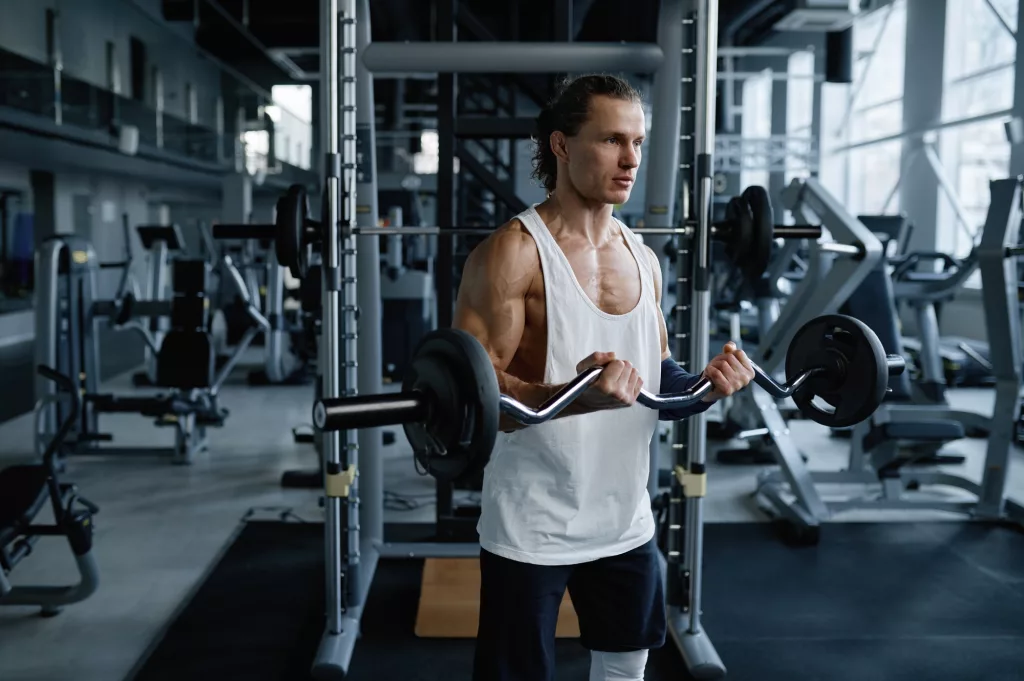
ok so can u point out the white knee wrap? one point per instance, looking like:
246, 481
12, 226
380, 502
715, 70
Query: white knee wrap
617, 666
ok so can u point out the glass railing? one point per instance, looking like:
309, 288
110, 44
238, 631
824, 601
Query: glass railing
27, 86
178, 104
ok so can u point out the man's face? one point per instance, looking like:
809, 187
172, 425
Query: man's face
604, 156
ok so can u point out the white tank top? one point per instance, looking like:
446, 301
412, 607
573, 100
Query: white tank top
574, 489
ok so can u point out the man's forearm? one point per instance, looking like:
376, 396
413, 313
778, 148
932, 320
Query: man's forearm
674, 379
532, 395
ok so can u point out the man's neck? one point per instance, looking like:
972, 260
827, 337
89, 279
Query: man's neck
569, 212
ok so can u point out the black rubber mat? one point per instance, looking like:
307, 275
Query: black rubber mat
872, 602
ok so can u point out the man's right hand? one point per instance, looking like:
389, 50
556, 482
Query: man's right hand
618, 385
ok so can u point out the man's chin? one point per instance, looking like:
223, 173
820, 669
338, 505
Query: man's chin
619, 196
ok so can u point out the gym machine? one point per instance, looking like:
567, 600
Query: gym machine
68, 318
159, 242
924, 290
281, 364
882, 473
941, 360
834, 270
24, 491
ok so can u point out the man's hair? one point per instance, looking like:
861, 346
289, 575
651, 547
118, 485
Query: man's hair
566, 112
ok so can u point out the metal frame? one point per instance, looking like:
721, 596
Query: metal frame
1000, 19
351, 556
511, 57
1004, 114
733, 153
685, 555
907, 489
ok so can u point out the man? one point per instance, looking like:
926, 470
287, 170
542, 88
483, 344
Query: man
559, 289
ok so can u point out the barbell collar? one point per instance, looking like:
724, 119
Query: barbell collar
370, 411
896, 364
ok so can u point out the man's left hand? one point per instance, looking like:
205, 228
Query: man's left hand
728, 372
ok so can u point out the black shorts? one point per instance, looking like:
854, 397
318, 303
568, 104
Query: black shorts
619, 601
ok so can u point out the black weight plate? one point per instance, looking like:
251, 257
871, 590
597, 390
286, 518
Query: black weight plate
456, 373
762, 231
856, 376
737, 232
289, 245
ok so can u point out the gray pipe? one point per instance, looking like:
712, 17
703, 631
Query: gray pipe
275, 345
663, 164
395, 257
663, 151
511, 57
371, 463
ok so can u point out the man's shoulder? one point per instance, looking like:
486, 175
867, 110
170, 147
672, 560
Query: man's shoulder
510, 246
511, 239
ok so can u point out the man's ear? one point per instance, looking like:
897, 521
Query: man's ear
559, 145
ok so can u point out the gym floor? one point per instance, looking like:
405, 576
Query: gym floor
162, 527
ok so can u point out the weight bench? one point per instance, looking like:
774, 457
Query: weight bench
24, 491
892, 446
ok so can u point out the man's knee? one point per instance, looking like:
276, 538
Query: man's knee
627, 666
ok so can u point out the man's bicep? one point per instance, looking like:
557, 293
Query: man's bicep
491, 304
662, 327
665, 353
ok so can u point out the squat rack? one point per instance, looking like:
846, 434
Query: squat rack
354, 532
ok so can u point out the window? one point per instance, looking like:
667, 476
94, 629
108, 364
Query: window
799, 109
866, 178
292, 114
113, 69
426, 161
257, 147
756, 124
978, 82
191, 104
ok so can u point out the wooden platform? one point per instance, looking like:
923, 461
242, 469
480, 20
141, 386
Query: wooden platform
450, 601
